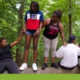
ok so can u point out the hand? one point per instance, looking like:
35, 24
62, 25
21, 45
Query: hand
64, 44
77, 45
37, 33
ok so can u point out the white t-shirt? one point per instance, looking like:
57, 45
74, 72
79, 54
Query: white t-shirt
69, 55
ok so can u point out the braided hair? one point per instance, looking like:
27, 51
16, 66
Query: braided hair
36, 7
58, 13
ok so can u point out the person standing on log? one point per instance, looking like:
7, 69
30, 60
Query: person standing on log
33, 25
52, 26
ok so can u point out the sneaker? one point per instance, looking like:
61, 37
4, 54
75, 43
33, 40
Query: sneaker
23, 67
44, 66
54, 65
34, 67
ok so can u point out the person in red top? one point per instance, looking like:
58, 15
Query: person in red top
33, 25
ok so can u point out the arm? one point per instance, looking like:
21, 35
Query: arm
62, 33
78, 51
60, 52
40, 24
17, 41
46, 22
39, 29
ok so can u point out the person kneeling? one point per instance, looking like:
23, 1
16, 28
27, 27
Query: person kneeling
69, 54
6, 61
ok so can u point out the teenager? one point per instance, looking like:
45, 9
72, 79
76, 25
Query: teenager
52, 26
33, 25
69, 54
6, 60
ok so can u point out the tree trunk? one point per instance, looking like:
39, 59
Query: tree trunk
70, 18
18, 51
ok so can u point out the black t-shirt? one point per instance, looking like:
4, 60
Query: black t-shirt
51, 31
5, 53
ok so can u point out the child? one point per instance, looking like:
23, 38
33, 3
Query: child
33, 24
6, 61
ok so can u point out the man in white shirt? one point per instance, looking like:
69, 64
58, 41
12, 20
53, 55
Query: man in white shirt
69, 54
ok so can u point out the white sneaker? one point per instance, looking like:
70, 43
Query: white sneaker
34, 67
23, 67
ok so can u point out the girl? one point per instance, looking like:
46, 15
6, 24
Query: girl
52, 25
33, 24
6, 61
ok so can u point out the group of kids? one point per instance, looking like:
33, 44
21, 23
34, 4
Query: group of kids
34, 22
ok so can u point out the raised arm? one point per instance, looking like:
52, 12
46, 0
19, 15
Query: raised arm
17, 41
46, 22
62, 33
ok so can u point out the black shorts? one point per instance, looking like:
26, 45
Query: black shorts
65, 67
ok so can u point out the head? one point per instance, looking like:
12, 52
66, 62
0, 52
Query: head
3, 42
56, 16
34, 7
72, 39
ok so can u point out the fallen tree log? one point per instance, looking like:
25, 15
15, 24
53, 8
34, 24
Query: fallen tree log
49, 70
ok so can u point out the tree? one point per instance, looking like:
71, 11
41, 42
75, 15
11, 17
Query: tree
12, 13
70, 18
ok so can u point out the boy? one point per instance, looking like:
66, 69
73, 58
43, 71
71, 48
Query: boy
69, 54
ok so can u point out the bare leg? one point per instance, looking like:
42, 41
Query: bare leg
35, 51
53, 59
46, 60
28, 40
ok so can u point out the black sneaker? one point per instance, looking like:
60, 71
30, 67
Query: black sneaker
44, 66
54, 65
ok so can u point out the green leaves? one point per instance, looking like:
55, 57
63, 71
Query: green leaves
9, 20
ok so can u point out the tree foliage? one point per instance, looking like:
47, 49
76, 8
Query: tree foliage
9, 21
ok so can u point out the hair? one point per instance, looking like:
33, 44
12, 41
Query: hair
71, 38
36, 7
58, 13
1, 39
79, 45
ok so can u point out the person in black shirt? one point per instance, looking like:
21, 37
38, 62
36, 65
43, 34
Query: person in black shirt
6, 60
52, 26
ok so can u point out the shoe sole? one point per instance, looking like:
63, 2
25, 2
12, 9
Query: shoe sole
35, 70
44, 68
23, 69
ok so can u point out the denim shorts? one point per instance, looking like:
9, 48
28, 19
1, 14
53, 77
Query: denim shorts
30, 32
